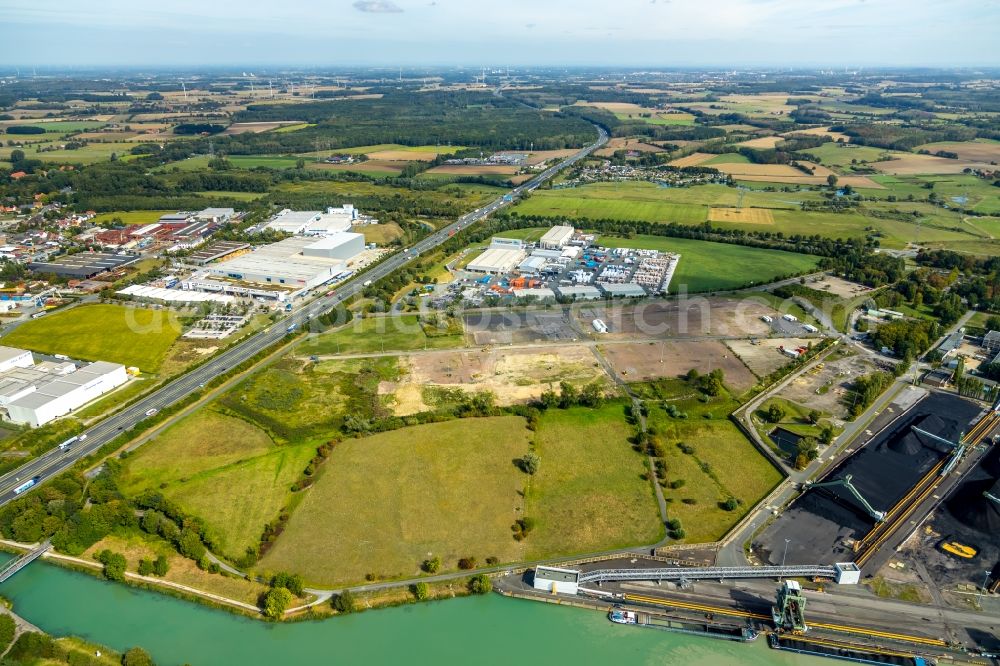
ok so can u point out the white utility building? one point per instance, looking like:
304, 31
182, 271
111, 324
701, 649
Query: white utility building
556, 238
343, 246
36, 394
556, 580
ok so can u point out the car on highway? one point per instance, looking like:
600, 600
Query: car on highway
150, 412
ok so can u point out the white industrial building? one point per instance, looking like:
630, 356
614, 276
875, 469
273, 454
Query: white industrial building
11, 357
343, 246
314, 222
36, 394
173, 295
296, 263
626, 290
556, 238
556, 580
497, 260
541, 293
581, 293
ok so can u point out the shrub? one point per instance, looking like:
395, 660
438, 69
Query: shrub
420, 591
678, 533
677, 483
673, 524
137, 657
529, 463
730, 504
467, 563
276, 601
344, 602
480, 584
7, 628
145, 567
161, 566
114, 564
431, 566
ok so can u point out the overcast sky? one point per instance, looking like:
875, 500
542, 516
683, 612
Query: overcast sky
661, 33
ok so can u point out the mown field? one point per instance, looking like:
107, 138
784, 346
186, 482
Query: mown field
131, 336
588, 494
223, 470
707, 266
385, 503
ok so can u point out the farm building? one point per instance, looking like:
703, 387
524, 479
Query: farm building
83, 264
497, 260
36, 394
554, 579
556, 238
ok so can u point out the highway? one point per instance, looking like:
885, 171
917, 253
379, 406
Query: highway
57, 460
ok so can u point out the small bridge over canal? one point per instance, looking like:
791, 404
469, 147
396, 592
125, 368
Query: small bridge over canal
14, 566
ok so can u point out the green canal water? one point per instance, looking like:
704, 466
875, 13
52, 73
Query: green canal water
481, 630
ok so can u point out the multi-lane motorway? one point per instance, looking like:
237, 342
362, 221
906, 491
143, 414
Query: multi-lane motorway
56, 460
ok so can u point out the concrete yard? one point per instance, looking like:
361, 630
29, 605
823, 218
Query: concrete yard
642, 361
825, 388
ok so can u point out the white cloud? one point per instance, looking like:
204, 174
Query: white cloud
377, 7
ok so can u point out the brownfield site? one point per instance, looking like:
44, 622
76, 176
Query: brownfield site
513, 375
764, 356
642, 361
744, 215
839, 287
824, 388
723, 317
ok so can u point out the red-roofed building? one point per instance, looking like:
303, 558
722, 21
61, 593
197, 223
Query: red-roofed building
18, 175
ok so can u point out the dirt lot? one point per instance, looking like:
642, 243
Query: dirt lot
694, 159
909, 165
839, 287
765, 358
747, 215
695, 316
642, 361
824, 389
463, 170
512, 375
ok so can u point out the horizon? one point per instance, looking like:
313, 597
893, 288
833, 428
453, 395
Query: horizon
374, 33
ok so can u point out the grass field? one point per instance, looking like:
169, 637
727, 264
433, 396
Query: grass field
239, 196
92, 152
840, 155
130, 216
707, 266
588, 494
295, 400
221, 469
131, 336
385, 503
726, 158
723, 463
371, 334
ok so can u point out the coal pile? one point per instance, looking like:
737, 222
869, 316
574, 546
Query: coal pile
972, 508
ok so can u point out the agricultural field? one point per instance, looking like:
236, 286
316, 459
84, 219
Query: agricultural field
715, 463
224, 470
842, 155
906, 164
706, 266
129, 217
384, 504
376, 334
980, 150
131, 336
598, 502
88, 154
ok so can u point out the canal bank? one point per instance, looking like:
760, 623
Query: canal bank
482, 630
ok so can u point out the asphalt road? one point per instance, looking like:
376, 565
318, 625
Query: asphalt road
57, 460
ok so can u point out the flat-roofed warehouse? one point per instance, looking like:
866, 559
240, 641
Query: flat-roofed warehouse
496, 260
297, 263
218, 250
556, 238
83, 264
